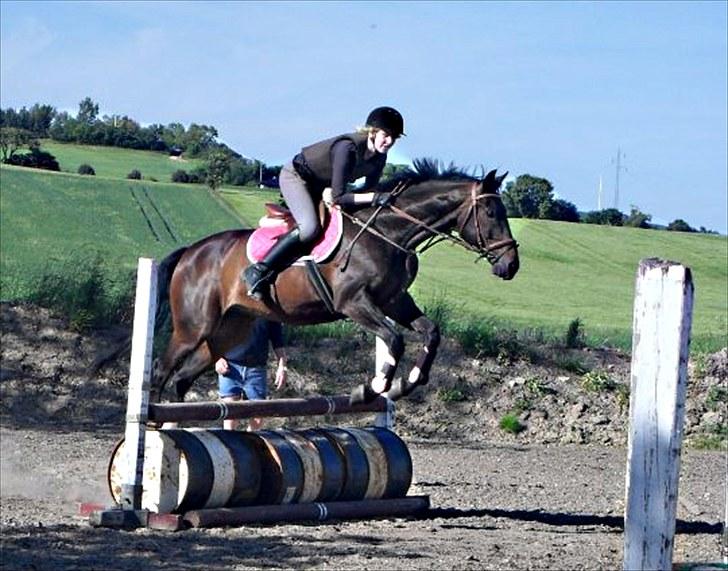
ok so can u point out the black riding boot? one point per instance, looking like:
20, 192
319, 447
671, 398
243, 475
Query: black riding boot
259, 276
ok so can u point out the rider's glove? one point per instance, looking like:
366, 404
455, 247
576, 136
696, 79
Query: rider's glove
382, 199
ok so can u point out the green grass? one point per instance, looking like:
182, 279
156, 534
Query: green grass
49, 219
579, 271
113, 162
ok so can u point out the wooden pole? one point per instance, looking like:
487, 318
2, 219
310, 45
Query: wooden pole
396, 507
145, 307
219, 410
660, 347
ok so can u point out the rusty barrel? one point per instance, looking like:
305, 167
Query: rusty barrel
202, 469
189, 469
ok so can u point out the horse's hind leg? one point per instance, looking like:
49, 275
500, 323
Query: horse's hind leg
192, 367
406, 312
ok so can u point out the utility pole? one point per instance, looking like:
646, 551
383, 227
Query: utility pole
599, 196
616, 184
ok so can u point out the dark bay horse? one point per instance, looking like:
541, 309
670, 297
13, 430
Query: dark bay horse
368, 276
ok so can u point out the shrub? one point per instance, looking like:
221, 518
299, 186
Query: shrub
86, 169
180, 176
510, 423
134, 175
35, 159
575, 334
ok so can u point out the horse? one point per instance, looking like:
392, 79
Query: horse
368, 277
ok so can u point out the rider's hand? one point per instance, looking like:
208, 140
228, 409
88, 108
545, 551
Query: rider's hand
382, 199
327, 196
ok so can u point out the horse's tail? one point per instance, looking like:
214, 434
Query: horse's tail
164, 277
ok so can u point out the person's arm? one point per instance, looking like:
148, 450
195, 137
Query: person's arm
359, 198
275, 333
343, 161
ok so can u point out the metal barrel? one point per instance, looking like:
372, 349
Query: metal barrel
191, 469
178, 472
356, 465
281, 469
313, 468
399, 462
332, 462
246, 467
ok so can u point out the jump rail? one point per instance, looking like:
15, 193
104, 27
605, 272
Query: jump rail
218, 410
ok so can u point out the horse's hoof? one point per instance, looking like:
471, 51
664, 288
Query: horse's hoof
363, 394
401, 388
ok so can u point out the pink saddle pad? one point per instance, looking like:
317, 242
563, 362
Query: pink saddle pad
263, 238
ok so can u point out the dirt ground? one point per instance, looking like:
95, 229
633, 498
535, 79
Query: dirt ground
549, 497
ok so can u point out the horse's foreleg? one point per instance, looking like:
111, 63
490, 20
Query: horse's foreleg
406, 312
366, 313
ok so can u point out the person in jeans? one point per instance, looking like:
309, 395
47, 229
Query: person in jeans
243, 371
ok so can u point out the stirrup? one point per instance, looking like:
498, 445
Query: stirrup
257, 279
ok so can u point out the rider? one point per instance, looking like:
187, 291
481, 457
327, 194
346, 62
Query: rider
330, 163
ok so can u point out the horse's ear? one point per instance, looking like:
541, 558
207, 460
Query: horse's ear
501, 178
489, 178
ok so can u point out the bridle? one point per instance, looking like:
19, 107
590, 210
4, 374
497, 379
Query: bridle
484, 249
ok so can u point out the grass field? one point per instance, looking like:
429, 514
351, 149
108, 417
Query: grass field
112, 162
571, 271
568, 271
53, 218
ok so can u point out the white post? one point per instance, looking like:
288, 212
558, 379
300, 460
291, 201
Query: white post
145, 307
383, 419
660, 345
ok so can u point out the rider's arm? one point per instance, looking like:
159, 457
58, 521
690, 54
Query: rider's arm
344, 198
343, 161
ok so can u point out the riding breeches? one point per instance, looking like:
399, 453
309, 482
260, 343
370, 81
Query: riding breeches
299, 201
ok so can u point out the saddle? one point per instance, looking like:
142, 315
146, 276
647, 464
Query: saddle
279, 220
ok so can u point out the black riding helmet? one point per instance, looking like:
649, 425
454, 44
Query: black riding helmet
387, 118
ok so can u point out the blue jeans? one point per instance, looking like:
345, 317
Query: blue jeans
250, 382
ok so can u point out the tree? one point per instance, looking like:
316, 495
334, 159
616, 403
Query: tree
12, 140
679, 225
217, 167
637, 219
606, 217
88, 111
528, 196
559, 209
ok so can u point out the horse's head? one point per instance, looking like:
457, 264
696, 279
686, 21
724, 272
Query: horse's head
483, 223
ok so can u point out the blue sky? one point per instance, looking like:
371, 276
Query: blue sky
550, 89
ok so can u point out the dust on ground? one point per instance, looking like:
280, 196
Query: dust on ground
550, 496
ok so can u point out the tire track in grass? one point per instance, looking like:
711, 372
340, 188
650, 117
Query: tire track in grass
144, 214
166, 223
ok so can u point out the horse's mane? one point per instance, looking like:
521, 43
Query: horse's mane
423, 170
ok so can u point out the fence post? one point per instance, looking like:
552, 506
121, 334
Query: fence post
145, 307
660, 346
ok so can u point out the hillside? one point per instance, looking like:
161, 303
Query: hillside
114, 162
568, 271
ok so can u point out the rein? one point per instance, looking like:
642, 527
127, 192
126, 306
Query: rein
483, 249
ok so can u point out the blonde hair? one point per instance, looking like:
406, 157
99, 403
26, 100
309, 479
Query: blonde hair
368, 129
